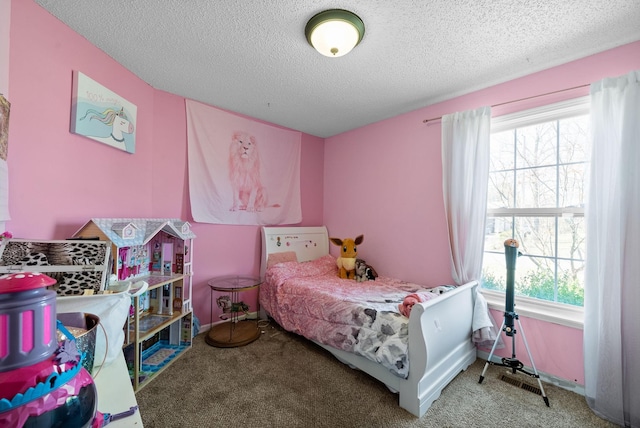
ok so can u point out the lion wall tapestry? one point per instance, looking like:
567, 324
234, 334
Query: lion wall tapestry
241, 171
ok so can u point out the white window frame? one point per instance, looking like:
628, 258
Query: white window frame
557, 313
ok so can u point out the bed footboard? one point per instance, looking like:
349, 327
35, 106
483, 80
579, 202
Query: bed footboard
440, 347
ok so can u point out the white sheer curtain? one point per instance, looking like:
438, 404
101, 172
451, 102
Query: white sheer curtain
612, 273
465, 175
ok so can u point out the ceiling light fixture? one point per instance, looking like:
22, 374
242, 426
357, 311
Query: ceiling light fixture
334, 32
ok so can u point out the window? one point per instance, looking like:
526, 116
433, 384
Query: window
537, 194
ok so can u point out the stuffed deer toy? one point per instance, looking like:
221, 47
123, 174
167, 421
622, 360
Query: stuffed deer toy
347, 260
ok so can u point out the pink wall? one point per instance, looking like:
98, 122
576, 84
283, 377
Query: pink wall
5, 25
219, 249
384, 180
59, 180
556, 350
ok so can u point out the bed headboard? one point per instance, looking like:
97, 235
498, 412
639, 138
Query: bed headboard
309, 243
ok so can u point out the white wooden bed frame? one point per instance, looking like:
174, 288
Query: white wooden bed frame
440, 344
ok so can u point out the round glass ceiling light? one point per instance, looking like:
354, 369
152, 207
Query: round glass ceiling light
334, 32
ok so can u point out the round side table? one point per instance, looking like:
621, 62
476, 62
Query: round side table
234, 332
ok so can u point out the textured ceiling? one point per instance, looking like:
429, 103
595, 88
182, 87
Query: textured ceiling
252, 57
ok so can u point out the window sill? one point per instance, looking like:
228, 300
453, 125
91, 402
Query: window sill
566, 315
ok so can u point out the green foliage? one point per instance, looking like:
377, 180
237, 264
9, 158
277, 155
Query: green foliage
541, 285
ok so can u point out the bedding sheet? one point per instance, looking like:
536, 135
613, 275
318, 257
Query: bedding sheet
360, 317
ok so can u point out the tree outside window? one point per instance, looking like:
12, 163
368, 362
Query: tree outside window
537, 194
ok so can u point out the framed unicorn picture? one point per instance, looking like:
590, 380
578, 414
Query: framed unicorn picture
102, 115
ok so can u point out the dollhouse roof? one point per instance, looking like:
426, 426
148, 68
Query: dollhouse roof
146, 228
120, 227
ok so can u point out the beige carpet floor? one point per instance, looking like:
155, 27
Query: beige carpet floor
283, 380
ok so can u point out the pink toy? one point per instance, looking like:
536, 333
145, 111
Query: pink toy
412, 299
43, 382
27, 319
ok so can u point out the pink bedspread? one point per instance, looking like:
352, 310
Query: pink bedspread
360, 317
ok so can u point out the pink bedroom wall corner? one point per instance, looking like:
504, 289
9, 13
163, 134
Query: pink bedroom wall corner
395, 192
58, 179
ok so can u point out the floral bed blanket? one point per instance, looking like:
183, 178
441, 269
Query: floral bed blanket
360, 317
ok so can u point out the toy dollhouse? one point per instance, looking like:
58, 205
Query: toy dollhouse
155, 255
146, 247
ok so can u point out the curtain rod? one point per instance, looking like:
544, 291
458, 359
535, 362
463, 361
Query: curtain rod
521, 99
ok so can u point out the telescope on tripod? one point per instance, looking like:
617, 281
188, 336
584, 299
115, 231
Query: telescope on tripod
511, 255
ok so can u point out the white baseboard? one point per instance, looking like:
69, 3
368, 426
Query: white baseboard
247, 316
545, 377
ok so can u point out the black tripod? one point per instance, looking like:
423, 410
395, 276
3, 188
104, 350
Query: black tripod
511, 255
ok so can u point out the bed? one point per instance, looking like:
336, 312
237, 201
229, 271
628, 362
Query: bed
439, 330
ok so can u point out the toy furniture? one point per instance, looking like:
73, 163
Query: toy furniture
155, 255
